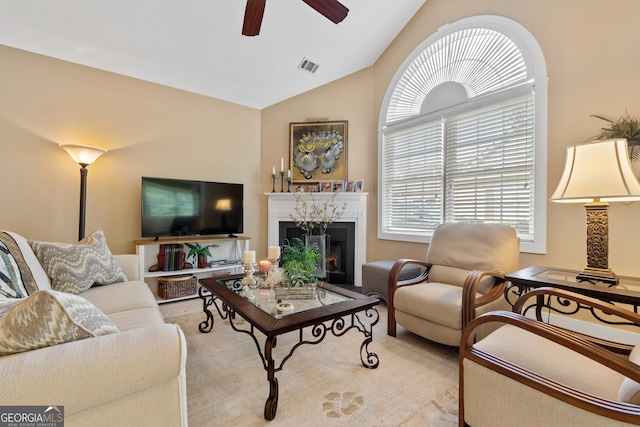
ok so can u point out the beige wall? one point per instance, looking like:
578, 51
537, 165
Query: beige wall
149, 130
592, 59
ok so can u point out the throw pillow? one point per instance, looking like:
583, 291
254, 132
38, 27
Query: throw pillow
16, 280
49, 318
76, 267
7, 304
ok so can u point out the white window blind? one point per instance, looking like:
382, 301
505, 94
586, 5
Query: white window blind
485, 163
413, 177
489, 166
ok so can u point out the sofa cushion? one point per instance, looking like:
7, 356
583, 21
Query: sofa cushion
76, 267
48, 318
16, 280
123, 296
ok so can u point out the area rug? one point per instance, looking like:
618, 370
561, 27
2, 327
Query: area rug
416, 383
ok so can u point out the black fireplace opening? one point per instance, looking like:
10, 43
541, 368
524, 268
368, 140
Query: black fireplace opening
341, 249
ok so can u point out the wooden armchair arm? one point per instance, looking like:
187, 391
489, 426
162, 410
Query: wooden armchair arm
394, 284
576, 342
542, 296
469, 300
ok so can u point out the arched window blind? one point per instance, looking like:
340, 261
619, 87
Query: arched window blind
458, 141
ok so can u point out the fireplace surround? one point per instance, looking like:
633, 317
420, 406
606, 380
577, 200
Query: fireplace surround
281, 206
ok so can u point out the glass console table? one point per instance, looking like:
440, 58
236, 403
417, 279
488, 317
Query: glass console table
625, 294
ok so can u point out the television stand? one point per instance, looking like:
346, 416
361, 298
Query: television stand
229, 249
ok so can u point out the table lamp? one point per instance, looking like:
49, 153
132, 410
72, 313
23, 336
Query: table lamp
596, 173
84, 156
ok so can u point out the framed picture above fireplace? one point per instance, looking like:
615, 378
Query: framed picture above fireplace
318, 151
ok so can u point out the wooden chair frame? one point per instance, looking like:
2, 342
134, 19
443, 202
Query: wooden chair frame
605, 352
469, 301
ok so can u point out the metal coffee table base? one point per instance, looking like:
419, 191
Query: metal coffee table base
362, 321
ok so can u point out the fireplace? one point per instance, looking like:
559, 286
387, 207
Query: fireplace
347, 251
340, 249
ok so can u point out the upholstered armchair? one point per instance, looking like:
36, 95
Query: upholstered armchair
531, 373
463, 275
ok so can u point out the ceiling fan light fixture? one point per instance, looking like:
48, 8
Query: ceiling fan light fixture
309, 66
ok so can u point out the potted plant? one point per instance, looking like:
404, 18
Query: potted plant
299, 262
200, 253
627, 127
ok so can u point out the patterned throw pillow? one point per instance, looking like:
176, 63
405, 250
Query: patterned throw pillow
16, 280
76, 267
49, 318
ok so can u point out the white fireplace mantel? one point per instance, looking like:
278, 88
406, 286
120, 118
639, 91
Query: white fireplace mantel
281, 206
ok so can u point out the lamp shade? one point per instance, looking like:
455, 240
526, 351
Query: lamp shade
597, 170
83, 154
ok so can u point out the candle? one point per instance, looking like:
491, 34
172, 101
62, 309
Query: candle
265, 266
273, 172
289, 174
274, 252
282, 165
250, 257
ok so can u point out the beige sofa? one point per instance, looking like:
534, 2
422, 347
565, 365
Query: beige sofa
135, 377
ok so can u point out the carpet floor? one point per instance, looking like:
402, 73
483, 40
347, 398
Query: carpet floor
416, 383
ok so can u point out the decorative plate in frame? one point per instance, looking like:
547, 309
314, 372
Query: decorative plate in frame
318, 151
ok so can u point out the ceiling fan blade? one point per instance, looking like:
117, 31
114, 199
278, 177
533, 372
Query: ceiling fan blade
253, 17
332, 9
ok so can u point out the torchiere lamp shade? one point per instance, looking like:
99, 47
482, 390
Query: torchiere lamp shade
83, 155
596, 173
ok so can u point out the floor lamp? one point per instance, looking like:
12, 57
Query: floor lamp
84, 156
596, 173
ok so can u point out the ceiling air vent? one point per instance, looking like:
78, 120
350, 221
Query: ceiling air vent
309, 66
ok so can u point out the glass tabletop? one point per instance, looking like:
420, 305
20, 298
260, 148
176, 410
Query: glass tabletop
265, 299
626, 283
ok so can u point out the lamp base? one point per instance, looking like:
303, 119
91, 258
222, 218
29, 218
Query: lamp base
591, 274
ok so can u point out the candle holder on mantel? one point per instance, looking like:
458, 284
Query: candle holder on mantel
282, 181
248, 281
273, 182
289, 185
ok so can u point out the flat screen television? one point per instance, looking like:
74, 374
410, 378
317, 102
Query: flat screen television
179, 207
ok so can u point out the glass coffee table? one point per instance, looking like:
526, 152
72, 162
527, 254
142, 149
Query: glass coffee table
333, 310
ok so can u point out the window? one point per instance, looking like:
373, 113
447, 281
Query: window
463, 135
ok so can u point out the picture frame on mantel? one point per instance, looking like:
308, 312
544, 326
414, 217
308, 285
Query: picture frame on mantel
318, 151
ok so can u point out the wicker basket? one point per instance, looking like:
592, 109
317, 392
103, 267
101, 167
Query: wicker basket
177, 286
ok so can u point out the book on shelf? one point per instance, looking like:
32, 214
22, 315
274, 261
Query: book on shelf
170, 258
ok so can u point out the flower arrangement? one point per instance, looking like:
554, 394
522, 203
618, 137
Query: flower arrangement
311, 214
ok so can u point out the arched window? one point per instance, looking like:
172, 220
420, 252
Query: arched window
463, 134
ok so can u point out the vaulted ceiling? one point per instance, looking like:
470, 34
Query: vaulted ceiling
198, 46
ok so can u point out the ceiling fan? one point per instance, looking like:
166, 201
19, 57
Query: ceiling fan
332, 9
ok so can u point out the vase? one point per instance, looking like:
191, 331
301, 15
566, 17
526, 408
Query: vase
202, 261
323, 241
